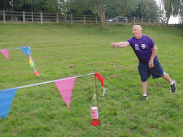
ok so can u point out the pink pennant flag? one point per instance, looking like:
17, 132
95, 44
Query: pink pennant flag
65, 87
5, 52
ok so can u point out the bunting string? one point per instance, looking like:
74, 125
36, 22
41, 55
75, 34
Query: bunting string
36, 84
65, 87
12, 48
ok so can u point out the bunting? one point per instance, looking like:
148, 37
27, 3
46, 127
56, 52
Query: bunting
6, 98
31, 61
65, 87
33, 65
27, 51
100, 78
5, 52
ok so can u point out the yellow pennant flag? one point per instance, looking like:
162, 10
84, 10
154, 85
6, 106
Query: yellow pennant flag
31, 63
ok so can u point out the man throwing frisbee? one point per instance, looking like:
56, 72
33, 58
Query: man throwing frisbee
146, 52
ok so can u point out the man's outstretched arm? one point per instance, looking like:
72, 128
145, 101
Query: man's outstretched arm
119, 44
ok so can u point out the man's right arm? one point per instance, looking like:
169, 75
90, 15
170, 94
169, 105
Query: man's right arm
119, 44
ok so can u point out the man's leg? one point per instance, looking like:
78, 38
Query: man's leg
167, 78
144, 87
171, 82
144, 90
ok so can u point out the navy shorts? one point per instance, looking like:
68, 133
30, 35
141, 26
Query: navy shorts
145, 72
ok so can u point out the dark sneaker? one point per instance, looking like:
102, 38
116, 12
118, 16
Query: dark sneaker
144, 98
173, 86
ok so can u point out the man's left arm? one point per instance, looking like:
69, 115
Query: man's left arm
153, 55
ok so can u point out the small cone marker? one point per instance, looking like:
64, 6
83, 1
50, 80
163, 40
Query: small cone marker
95, 122
94, 116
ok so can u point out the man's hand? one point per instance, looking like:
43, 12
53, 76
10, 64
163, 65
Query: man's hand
151, 64
113, 44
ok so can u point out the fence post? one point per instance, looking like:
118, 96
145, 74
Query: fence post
23, 17
141, 20
4, 17
57, 17
32, 17
149, 20
107, 21
84, 19
134, 20
41, 17
96, 19
71, 19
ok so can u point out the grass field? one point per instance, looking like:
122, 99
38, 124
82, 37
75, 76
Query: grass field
62, 51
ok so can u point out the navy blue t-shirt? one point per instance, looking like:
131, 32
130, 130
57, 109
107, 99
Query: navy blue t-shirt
142, 47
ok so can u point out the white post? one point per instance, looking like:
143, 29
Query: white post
32, 16
23, 17
41, 16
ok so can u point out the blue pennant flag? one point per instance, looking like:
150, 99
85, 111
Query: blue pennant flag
25, 50
6, 98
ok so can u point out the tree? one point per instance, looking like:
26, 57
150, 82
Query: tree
120, 7
95, 6
30, 5
172, 7
5, 4
145, 9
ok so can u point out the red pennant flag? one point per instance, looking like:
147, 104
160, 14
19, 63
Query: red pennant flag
65, 87
99, 77
37, 73
5, 52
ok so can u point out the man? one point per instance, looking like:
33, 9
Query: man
146, 51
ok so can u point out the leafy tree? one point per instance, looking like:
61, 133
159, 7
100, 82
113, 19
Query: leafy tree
172, 7
145, 9
95, 6
31, 5
120, 7
5, 5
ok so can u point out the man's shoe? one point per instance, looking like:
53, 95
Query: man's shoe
144, 98
173, 86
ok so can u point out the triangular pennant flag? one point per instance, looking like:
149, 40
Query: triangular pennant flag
99, 77
31, 61
25, 50
37, 73
5, 52
6, 98
65, 88
32, 65
28, 50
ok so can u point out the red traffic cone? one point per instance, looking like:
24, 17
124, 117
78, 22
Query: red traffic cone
95, 122
37, 73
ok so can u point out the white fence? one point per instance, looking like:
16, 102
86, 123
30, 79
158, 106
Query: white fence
40, 17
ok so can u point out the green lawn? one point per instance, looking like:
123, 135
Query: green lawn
62, 51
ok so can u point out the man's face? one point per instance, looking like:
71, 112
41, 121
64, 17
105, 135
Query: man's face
137, 32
